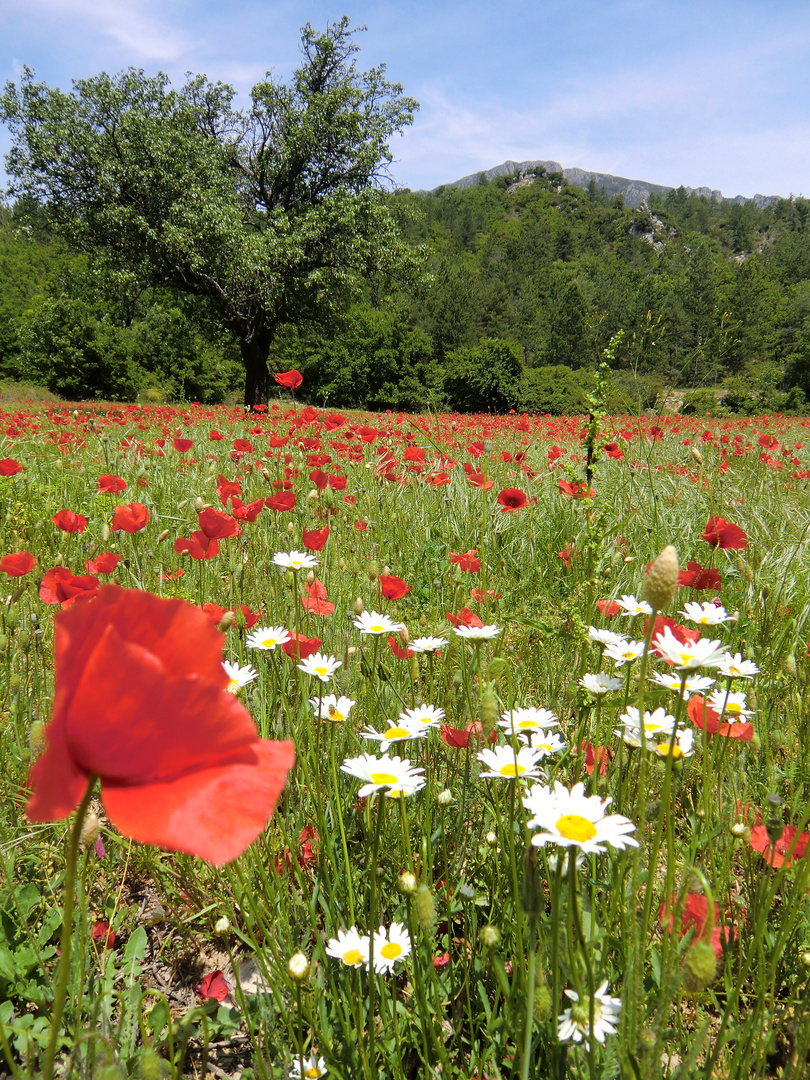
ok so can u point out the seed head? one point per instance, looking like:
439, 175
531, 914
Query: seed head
662, 579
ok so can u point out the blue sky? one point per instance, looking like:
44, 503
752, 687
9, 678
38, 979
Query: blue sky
670, 91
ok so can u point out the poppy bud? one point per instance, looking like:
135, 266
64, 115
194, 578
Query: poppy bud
662, 579
111, 1072
414, 670
290, 528
58, 560
14, 685
150, 1065
12, 617
313, 495
198, 504
407, 883
36, 738
386, 571
489, 936
359, 607
405, 637
298, 967
163, 536
774, 829
3, 643
765, 592
542, 1003
105, 532
24, 640
697, 455
805, 958
226, 622
373, 571
90, 831
488, 712
790, 665
342, 565
310, 577
425, 908
699, 967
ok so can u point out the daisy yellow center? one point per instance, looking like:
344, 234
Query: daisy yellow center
334, 714
397, 733
733, 707
377, 628
575, 827
383, 778
312, 1073
321, 671
353, 956
390, 951
527, 724
269, 642
544, 746
233, 685
512, 769
685, 658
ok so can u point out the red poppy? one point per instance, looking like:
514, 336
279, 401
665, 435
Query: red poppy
511, 499
438, 479
226, 488
110, 484
103, 563
314, 539
10, 467
613, 450
141, 702
467, 561
479, 480
596, 755
696, 576
290, 380
315, 600
216, 436
399, 651
243, 446
336, 482
214, 987
465, 617
319, 478
361, 525
577, 490
17, 564
214, 612
681, 633
298, 647
218, 525
566, 554
367, 434
724, 534
696, 917
60, 586
284, 500
131, 518
460, 738
441, 961
705, 718
334, 421
183, 445
198, 545
392, 587
609, 608
481, 596
779, 853
173, 576
102, 934
250, 617
249, 512
69, 521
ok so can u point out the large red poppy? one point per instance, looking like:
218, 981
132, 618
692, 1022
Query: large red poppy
467, 561
141, 702
392, 587
779, 853
314, 539
298, 647
290, 380
103, 563
217, 525
60, 586
198, 545
285, 500
131, 517
109, 484
724, 534
18, 563
69, 521
511, 499
696, 917
705, 718
10, 467
696, 576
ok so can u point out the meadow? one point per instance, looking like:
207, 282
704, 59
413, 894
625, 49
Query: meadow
507, 774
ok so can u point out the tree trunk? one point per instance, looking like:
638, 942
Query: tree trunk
257, 377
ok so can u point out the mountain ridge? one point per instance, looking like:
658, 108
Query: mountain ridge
633, 191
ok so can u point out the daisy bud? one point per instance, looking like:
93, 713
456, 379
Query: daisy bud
699, 967
222, 925
662, 579
407, 883
697, 455
90, 831
425, 908
444, 798
491, 838
298, 967
105, 532
359, 607
489, 936
738, 830
386, 571
488, 712
313, 495
163, 536
198, 504
227, 621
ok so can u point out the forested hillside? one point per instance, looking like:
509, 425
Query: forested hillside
525, 285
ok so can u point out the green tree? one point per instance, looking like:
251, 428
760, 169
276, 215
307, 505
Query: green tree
273, 214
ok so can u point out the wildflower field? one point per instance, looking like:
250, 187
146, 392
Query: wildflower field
403, 746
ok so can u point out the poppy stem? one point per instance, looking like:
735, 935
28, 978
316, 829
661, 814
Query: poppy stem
66, 940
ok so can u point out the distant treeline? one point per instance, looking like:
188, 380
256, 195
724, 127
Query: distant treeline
524, 288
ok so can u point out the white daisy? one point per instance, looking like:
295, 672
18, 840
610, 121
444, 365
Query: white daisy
349, 947
683, 747
388, 774
706, 614
605, 637
734, 667
267, 638
372, 622
390, 946
313, 1068
428, 715
477, 633
427, 644
631, 606
655, 723
689, 655
324, 667
572, 820
694, 684
600, 683
505, 765
295, 560
238, 676
624, 652
575, 1022
731, 704
545, 742
525, 719
400, 731
331, 707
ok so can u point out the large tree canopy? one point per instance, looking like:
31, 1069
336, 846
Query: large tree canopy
275, 213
